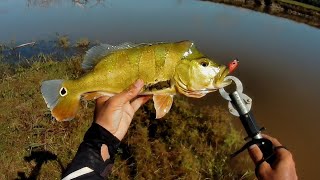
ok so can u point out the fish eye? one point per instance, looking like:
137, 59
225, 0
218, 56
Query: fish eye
63, 91
204, 63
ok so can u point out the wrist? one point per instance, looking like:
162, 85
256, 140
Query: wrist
97, 136
104, 125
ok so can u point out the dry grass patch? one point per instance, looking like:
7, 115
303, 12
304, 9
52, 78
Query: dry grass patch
188, 143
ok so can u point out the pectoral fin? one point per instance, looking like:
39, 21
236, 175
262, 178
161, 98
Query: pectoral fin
162, 104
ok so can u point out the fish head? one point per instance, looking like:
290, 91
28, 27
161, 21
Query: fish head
197, 77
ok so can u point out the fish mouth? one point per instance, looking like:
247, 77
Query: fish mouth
219, 81
220, 78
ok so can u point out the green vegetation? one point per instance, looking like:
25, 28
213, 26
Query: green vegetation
311, 2
188, 143
300, 4
63, 41
298, 10
83, 43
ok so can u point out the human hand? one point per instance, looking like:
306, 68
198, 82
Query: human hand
283, 168
115, 113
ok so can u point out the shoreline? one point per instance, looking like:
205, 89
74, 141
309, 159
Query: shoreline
308, 14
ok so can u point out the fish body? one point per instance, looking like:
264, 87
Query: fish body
165, 68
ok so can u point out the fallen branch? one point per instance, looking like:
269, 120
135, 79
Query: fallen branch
25, 44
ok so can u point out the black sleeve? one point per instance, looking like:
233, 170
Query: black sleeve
88, 163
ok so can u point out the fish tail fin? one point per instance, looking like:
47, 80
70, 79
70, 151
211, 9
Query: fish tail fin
63, 105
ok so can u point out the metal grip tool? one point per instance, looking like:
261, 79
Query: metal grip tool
240, 105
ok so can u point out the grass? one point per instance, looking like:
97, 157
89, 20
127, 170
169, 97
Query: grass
300, 4
188, 143
289, 9
63, 42
83, 43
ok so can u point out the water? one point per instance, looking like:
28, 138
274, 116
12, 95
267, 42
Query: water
279, 58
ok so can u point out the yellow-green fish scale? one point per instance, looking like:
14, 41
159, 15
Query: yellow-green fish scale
116, 71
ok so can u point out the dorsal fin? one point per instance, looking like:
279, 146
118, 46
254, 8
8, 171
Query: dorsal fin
95, 54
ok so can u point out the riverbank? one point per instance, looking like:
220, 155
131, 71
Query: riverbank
188, 143
289, 9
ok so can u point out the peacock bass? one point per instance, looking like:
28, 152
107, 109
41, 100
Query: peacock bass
165, 68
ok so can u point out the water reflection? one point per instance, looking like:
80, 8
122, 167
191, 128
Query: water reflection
43, 3
88, 4
77, 3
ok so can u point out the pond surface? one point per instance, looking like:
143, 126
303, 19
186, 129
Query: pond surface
279, 58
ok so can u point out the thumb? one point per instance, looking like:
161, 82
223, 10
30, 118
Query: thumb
128, 94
